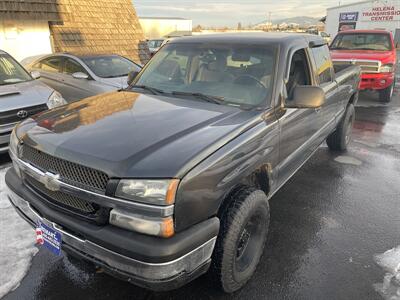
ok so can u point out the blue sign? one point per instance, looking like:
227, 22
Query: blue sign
49, 238
350, 16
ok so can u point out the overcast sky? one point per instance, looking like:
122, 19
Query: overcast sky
222, 12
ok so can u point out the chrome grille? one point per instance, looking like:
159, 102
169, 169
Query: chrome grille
367, 66
70, 173
9, 117
60, 198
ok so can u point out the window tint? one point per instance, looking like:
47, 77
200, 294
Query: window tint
363, 41
111, 66
235, 74
72, 66
299, 73
51, 64
323, 63
11, 72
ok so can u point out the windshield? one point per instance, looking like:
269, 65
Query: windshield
110, 66
362, 41
155, 43
234, 74
11, 72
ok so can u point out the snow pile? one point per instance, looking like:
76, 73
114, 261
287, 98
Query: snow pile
16, 245
390, 262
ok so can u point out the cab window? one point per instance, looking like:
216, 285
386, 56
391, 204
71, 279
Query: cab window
323, 63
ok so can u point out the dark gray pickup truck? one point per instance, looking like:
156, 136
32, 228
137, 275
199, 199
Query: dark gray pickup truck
162, 181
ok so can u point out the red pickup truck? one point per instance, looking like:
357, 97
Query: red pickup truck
375, 52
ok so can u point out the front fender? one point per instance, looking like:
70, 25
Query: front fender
205, 187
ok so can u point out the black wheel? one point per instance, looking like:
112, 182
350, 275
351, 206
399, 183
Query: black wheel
386, 95
340, 138
240, 244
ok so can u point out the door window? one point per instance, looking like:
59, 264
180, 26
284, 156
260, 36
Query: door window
299, 74
324, 63
72, 66
51, 64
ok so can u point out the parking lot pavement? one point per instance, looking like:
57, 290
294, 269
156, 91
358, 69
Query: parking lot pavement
328, 223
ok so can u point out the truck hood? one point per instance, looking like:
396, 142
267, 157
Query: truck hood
383, 56
24, 94
132, 135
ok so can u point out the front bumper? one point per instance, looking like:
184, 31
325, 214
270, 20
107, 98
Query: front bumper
376, 81
5, 132
150, 262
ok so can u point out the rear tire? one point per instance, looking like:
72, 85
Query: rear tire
340, 138
386, 95
241, 241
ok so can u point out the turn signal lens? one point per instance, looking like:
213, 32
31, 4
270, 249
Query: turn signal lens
162, 227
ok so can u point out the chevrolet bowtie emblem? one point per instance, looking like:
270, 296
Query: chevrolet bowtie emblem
51, 181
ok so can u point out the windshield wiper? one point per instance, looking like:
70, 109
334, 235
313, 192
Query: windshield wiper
208, 98
152, 90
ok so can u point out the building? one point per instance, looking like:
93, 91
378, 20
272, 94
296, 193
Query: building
29, 28
24, 27
373, 14
163, 27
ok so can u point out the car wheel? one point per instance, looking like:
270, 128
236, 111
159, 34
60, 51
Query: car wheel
386, 95
240, 244
341, 137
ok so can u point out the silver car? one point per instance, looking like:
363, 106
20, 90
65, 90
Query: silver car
21, 96
77, 77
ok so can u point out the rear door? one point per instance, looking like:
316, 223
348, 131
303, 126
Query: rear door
75, 89
50, 69
323, 68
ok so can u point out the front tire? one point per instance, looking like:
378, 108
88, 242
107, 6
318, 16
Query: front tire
240, 244
386, 95
340, 138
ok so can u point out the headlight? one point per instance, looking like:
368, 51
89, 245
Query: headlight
388, 68
14, 141
55, 100
158, 192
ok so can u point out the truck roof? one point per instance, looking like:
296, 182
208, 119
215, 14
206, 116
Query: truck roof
253, 38
380, 31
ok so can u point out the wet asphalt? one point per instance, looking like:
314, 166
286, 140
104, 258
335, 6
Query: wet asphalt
327, 223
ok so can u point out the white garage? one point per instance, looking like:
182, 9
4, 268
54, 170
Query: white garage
373, 14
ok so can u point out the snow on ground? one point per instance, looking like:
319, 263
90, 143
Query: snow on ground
390, 262
16, 244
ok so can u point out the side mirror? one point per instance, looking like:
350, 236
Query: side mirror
307, 97
80, 75
131, 77
35, 74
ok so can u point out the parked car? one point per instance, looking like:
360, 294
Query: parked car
78, 77
21, 96
154, 45
175, 174
375, 52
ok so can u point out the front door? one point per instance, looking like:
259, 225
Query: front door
298, 126
75, 88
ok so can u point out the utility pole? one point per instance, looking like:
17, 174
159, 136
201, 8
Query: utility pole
269, 21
